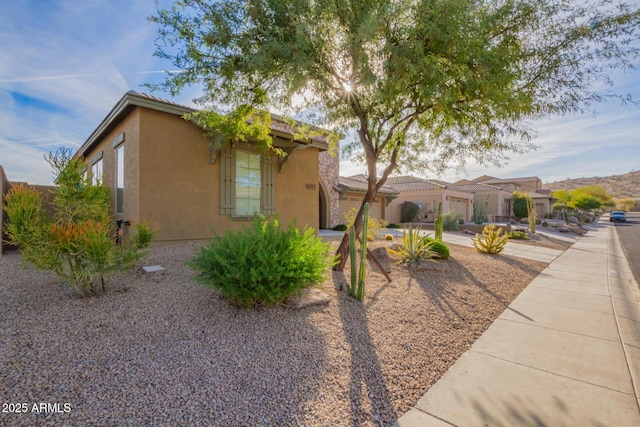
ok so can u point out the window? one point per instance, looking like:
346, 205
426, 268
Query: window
120, 178
96, 173
248, 183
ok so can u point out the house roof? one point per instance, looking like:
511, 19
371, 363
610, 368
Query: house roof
358, 183
412, 183
485, 179
133, 99
479, 188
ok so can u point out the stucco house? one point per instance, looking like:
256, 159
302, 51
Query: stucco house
352, 190
532, 185
498, 200
427, 194
161, 168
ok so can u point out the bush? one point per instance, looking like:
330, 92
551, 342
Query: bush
340, 227
545, 224
408, 211
492, 240
78, 243
262, 264
451, 221
393, 225
414, 247
520, 205
388, 237
518, 235
439, 247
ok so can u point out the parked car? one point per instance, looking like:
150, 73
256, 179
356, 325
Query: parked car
618, 216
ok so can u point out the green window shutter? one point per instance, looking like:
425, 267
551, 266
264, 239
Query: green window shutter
227, 182
268, 195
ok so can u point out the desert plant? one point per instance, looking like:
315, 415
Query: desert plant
388, 237
356, 288
262, 263
545, 224
78, 243
438, 225
531, 214
518, 235
408, 211
415, 247
393, 225
375, 225
340, 227
480, 211
492, 240
451, 221
439, 247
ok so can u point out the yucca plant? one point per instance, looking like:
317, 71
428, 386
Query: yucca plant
415, 247
492, 240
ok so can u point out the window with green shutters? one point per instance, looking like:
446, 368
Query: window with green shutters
247, 183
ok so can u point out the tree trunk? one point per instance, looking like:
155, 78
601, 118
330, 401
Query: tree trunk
343, 250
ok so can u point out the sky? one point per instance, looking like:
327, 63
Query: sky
65, 64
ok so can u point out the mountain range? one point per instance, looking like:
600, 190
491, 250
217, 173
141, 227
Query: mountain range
625, 185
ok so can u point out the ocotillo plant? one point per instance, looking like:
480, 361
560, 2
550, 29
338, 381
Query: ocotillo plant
438, 224
356, 289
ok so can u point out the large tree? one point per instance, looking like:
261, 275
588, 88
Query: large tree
424, 84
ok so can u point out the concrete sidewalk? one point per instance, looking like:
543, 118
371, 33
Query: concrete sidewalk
566, 352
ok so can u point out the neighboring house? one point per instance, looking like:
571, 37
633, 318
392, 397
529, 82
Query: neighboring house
531, 185
427, 194
498, 201
352, 190
161, 168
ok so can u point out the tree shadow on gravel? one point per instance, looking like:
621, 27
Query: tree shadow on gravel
369, 397
440, 289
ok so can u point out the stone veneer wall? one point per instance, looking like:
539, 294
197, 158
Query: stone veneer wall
329, 173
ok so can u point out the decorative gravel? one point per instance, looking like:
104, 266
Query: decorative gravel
158, 349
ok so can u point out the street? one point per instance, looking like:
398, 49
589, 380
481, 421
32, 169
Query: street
629, 236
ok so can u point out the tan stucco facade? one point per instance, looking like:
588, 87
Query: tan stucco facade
351, 200
452, 200
498, 203
172, 181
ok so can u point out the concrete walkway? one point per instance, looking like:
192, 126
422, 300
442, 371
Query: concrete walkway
566, 352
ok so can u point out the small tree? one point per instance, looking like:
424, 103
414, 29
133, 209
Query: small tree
78, 243
626, 203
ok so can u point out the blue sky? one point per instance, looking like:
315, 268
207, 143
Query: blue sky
64, 65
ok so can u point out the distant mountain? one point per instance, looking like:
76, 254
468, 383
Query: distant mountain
625, 185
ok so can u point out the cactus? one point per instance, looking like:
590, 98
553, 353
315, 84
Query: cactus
439, 222
532, 214
479, 212
356, 289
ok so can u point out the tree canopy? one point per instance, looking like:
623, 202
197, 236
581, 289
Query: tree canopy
425, 84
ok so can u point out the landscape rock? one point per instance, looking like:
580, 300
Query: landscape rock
382, 256
422, 266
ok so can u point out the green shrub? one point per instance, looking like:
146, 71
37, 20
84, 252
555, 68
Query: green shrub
451, 221
518, 235
545, 224
492, 240
439, 247
414, 247
262, 263
78, 243
340, 227
393, 225
520, 205
408, 211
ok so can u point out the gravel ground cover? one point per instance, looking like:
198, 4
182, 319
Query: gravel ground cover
158, 349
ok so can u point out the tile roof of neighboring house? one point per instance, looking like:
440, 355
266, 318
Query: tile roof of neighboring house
478, 188
491, 180
538, 195
133, 99
412, 183
358, 183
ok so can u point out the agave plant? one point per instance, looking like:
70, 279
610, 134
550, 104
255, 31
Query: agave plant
414, 247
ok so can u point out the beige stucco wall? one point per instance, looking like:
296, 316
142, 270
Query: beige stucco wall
329, 178
457, 201
170, 182
351, 200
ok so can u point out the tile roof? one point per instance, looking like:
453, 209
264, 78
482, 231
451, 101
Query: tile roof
359, 183
412, 183
477, 188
